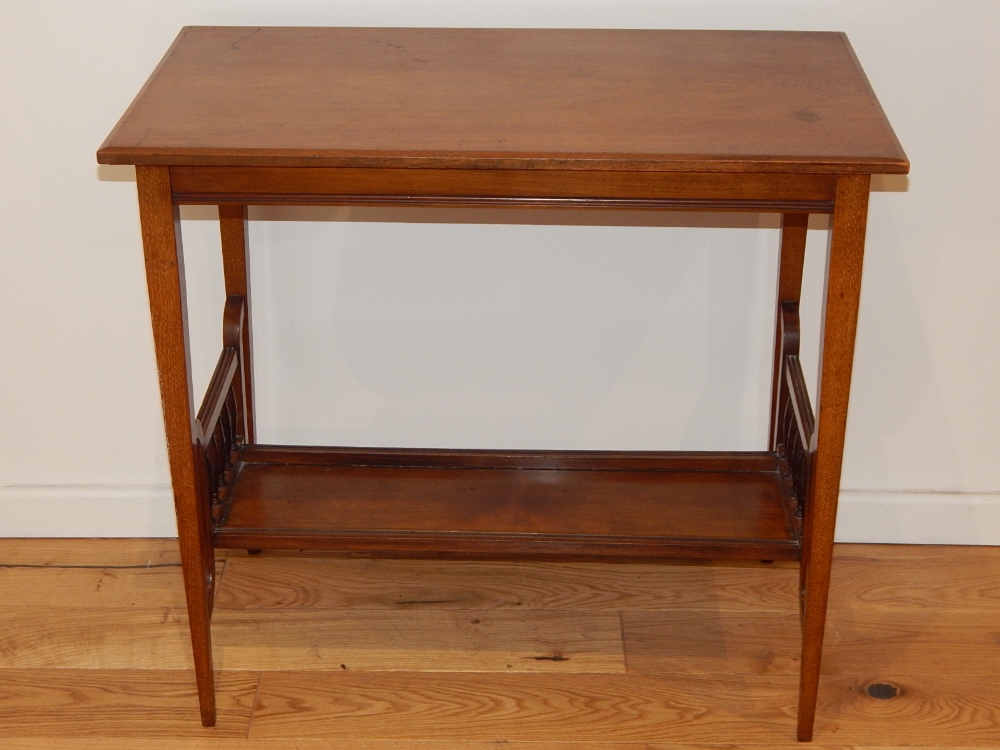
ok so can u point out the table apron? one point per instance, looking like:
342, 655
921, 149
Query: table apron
503, 188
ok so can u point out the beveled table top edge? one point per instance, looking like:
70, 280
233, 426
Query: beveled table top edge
464, 160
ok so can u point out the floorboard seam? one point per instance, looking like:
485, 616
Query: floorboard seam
253, 706
621, 627
218, 580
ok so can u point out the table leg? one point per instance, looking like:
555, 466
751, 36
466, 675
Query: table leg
236, 266
164, 257
840, 317
790, 261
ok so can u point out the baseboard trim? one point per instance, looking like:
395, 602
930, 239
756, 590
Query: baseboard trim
87, 510
90, 510
875, 517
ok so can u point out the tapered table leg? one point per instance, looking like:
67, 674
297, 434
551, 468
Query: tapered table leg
790, 262
164, 257
840, 317
236, 267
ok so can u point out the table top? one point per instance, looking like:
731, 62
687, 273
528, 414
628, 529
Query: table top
636, 100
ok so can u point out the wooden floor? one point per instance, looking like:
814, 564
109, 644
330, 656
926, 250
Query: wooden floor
316, 653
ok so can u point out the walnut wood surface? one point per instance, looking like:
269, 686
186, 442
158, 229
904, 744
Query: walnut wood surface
840, 320
720, 120
618, 508
503, 188
164, 258
218, 388
471, 458
791, 260
732, 101
236, 268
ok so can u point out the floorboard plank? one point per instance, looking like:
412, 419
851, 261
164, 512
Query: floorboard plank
77, 703
508, 707
309, 640
433, 641
101, 552
912, 578
922, 643
702, 642
276, 581
927, 711
94, 638
52, 586
711, 652
105, 743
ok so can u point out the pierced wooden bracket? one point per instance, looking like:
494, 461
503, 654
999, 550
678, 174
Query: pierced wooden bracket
796, 425
222, 416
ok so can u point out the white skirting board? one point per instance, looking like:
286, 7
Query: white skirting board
919, 517
147, 511
87, 510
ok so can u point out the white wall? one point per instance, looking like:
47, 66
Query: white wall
464, 329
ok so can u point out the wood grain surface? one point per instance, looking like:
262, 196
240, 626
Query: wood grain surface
699, 642
164, 259
430, 641
845, 258
477, 114
547, 707
235, 234
504, 188
311, 640
88, 585
81, 553
606, 503
95, 638
708, 643
954, 580
937, 711
511, 505
290, 581
69, 702
111, 743
708, 651
529, 98
791, 260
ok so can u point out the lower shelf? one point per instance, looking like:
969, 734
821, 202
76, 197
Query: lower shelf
511, 504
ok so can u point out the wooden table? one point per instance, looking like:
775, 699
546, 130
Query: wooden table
697, 120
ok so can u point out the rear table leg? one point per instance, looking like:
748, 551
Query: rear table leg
236, 267
790, 263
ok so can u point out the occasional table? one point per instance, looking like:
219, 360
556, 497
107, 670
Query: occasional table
782, 122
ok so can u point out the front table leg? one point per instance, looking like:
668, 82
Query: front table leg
840, 318
161, 241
